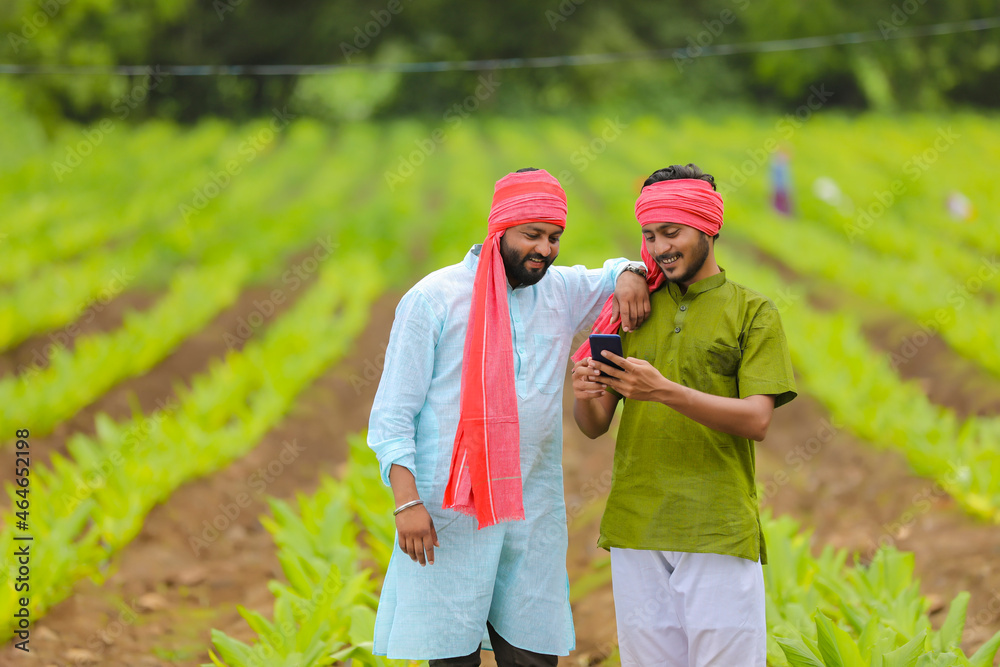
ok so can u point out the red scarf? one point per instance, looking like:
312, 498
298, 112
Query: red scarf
485, 475
683, 201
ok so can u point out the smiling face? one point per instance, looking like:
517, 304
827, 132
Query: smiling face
684, 254
528, 251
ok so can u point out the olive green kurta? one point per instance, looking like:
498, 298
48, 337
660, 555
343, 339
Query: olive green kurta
678, 485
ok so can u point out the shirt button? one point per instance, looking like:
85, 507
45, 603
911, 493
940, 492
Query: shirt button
677, 329
684, 307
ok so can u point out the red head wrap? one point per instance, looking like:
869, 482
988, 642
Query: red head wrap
684, 201
485, 475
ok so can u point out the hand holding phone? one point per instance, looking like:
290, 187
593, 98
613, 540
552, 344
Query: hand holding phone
610, 342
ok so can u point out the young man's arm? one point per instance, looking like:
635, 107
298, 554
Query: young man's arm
402, 391
594, 407
589, 289
747, 417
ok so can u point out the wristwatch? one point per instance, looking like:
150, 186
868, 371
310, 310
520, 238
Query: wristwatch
636, 267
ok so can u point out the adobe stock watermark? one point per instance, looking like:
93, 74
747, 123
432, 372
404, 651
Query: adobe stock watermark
427, 146
248, 151
264, 653
593, 490
94, 135
101, 639
785, 128
900, 16
713, 29
223, 7
371, 372
915, 167
799, 456
88, 310
33, 24
562, 12
987, 614
133, 443
596, 488
381, 18
787, 297
587, 153
258, 481
929, 328
292, 279
920, 503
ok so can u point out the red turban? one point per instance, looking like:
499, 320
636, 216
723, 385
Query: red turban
485, 475
683, 201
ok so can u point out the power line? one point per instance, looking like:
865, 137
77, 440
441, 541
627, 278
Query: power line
770, 46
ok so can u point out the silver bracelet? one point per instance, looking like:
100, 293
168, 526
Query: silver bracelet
404, 506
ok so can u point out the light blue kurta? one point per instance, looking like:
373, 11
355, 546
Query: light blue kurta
513, 573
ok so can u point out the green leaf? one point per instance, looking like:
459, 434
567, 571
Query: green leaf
215, 660
264, 628
234, 652
907, 654
950, 635
942, 660
797, 653
835, 645
984, 656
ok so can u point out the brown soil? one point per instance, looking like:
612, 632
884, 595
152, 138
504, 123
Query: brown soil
850, 494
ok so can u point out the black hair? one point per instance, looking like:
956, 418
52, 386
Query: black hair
521, 171
676, 171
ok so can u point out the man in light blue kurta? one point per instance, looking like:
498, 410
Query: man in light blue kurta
512, 574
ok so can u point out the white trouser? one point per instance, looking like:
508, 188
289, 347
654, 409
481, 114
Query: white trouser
688, 610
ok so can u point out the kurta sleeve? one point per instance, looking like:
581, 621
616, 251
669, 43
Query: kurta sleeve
766, 366
406, 377
589, 288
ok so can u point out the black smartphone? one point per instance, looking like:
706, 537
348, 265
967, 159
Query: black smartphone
610, 342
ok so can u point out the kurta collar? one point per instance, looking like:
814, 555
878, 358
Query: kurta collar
472, 257
700, 287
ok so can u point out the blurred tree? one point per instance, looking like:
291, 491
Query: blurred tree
912, 72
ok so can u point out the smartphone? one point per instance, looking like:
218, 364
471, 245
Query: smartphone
610, 342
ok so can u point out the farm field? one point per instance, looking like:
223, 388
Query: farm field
192, 326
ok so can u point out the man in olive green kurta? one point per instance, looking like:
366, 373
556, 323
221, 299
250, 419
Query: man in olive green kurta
700, 380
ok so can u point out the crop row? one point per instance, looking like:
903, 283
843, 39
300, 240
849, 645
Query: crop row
326, 611
107, 202
84, 509
43, 398
62, 292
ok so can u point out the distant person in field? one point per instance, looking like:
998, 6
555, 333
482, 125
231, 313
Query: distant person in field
700, 382
781, 183
467, 428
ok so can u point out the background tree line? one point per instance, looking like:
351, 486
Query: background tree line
930, 72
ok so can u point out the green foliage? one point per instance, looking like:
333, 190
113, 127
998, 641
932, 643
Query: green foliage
823, 613
326, 611
925, 72
86, 508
